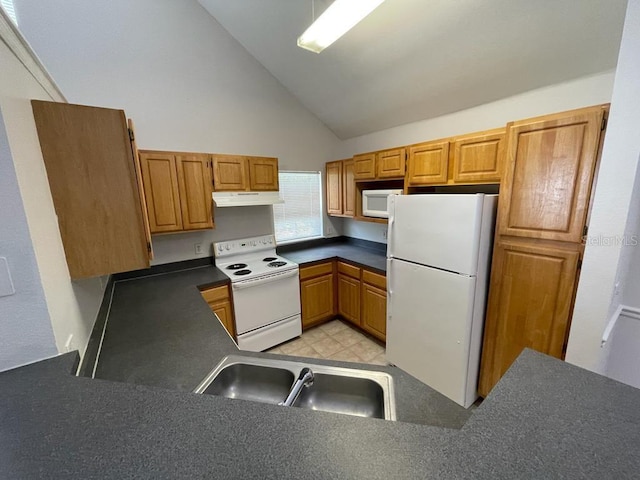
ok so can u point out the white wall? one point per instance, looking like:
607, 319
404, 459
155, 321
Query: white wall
25, 328
605, 263
591, 90
71, 307
184, 80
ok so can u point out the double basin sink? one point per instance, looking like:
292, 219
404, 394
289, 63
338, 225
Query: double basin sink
362, 393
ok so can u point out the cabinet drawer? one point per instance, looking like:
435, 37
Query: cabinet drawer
316, 270
374, 279
216, 294
349, 270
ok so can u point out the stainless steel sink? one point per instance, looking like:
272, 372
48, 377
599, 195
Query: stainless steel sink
363, 393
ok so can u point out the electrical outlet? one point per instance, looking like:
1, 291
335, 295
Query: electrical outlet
198, 248
330, 230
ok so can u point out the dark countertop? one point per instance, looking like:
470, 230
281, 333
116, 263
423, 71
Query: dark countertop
544, 419
363, 253
161, 333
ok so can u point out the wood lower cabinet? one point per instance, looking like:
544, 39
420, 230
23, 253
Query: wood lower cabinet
178, 191
219, 300
90, 167
374, 304
317, 294
349, 298
478, 158
237, 173
532, 288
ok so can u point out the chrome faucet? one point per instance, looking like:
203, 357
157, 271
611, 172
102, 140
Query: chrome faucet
305, 379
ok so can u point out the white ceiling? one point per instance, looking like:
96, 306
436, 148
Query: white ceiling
416, 59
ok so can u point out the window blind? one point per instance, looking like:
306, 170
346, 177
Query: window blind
8, 7
300, 216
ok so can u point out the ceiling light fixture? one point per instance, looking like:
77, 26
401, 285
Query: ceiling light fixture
338, 19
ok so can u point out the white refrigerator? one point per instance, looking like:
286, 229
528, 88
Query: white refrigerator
438, 260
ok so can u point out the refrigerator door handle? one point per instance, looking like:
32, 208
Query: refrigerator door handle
389, 291
391, 222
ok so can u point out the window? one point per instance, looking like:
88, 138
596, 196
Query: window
8, 7
300, 216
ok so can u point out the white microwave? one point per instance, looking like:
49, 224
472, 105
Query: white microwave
375, 203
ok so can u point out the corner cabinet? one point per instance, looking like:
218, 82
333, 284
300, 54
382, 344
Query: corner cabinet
96, 191
178, 190
237, 173
317, 293
340, 187
549, 173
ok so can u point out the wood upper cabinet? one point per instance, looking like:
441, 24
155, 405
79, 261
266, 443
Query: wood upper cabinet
334, 187
348, 188
478, 158
160, 177
194, 181
90, 167
219, 300
391, 163
428, 163
550, 167
374, 304
234, 173
364, 166
143, 200
178, 190
340, 184
230, 173
532, 288
263, 174
317, 289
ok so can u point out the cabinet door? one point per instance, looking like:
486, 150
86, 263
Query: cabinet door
160, 178
230, 173
550, 163
391, 163
348, 189
364, 166
529, 305
263, 174
225, 313
316, 296
428, 163
194, 181
478, 158
374, 311
334, 187
349, 298
91, 172
143, 200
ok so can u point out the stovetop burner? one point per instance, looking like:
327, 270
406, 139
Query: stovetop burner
269, 259
237, 266
276, 264
242, 272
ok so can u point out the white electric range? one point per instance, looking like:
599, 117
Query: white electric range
265, 290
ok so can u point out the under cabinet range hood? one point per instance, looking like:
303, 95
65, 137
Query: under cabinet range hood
246, 199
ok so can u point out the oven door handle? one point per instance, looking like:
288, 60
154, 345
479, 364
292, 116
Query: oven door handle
261, 281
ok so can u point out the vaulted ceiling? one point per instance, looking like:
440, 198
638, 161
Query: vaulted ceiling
416, 59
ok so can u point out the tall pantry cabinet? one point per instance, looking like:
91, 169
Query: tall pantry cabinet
542, 217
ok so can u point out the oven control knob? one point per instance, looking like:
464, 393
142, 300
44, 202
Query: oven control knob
227, 246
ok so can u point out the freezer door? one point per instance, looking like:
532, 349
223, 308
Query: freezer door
429, 328
441, 231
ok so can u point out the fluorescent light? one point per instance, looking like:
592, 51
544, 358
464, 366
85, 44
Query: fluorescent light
338, 19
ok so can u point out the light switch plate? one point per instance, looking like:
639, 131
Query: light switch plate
6, 284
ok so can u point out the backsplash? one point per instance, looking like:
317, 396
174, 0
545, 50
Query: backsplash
231, 223
374, 232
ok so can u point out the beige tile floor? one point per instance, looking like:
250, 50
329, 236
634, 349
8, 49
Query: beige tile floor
335, 340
